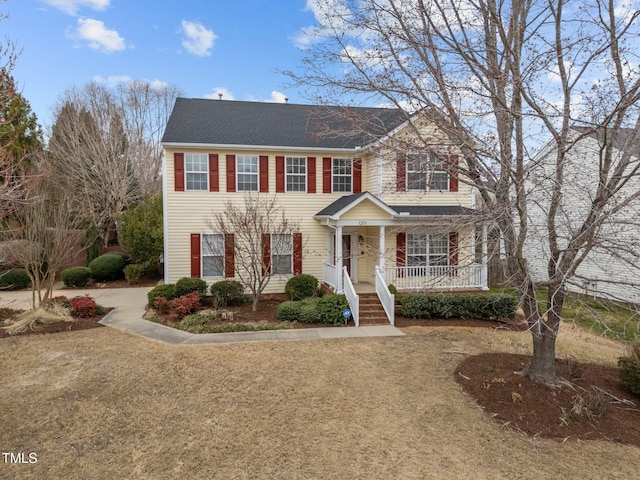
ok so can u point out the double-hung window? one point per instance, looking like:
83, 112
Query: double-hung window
296, 174
425, 253
212, 254
342, 174
281, 254
426, 172
247, 173
196, 171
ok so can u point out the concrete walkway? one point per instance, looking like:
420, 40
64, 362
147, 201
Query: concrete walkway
129, 308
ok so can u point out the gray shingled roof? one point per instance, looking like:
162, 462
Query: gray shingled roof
433, 210
224, 122
412, 210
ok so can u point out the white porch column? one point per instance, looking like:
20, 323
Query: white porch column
338, 265
485, 258
382, 248
473, 244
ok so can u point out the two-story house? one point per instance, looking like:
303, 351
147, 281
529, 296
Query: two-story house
363, 203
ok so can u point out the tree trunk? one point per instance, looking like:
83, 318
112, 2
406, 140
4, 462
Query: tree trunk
544, 332
254, 303
543, 361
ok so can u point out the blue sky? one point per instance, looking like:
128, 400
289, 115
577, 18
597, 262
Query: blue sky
202, 46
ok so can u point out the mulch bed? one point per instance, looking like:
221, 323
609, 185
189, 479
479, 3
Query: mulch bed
521, 404
78, 324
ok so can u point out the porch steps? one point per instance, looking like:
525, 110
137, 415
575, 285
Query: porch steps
371, 311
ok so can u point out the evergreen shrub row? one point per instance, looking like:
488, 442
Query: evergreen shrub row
464, 306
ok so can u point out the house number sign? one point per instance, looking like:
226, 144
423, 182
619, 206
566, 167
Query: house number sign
362, 222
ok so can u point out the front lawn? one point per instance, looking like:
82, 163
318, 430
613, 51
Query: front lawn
601, 316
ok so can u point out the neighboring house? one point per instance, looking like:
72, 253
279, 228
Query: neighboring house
360, 204
611, 269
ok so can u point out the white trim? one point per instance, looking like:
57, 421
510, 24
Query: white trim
365, 195
165, 219
261, 148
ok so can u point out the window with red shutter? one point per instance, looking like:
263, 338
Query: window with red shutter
178, 171
214, 174
311, 175
195, 255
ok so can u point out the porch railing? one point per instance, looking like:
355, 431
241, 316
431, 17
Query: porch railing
352, 297
387, 299
329, 275
473, 275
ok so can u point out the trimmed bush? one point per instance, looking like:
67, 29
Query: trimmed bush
167, 291
83, 307
196, 320
187, 285
629, 368
14, 279
289, 311
133, 273
331, 307
301, 286
228, 293
309, 311
183, 305
109, 266
76, 276
481, 307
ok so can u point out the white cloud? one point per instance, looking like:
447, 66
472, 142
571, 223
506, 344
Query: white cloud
115, 80
277, 97
71, 6
98, 36
199, 39
226, 94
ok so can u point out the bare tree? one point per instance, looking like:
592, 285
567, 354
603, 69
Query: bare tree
90, 156
146, 108
500, 79
48, 230
259, 240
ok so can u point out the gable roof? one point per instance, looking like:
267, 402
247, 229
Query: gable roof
346, 202
224, 122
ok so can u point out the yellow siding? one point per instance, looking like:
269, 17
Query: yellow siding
366, 210
187, 212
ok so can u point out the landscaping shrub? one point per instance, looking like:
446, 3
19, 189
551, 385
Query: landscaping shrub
629, 368
289, 311
309, 311
184, 305
83, 307
331, 308
228, 293
188, 284
61, 299
140, 231
107, 267
133, 273
76, 276
161, 304
167, 291
196, 320
14, 279
481, 307
301, 286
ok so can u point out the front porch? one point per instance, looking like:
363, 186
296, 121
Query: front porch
371, 245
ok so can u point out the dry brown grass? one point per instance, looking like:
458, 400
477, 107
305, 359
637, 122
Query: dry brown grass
104, 404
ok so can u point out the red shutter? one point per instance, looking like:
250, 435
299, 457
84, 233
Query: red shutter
357, 175
229, 255
214, 174
401, 255
195, 255
453, 248
326, 175
311, 175
401, 174
266, 254
263, 168
297, 253
231, 173
453, 173
178, 171
279, 174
